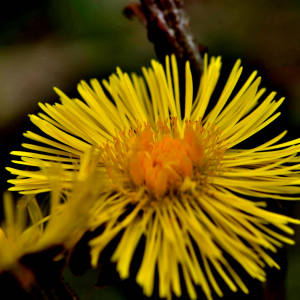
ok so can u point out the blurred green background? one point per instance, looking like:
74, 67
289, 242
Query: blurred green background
59, 42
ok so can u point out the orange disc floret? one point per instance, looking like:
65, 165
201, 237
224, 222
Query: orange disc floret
162, 165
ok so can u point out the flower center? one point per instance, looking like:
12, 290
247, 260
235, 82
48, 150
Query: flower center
161, 160
162, 165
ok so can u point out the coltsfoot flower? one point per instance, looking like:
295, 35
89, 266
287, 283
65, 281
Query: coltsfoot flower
66, 221
14, 241
173, 175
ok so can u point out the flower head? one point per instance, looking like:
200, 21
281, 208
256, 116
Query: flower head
66, 221
13, 238
172, 174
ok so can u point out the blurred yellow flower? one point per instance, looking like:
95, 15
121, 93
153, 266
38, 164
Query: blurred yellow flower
66, 222
171, 174
14, 240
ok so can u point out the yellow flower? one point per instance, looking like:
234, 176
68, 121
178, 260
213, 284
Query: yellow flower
66, 222
172, 174
14, 240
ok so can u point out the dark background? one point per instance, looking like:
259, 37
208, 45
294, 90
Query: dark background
58, 43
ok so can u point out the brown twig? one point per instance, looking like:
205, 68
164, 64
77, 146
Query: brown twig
168, 29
